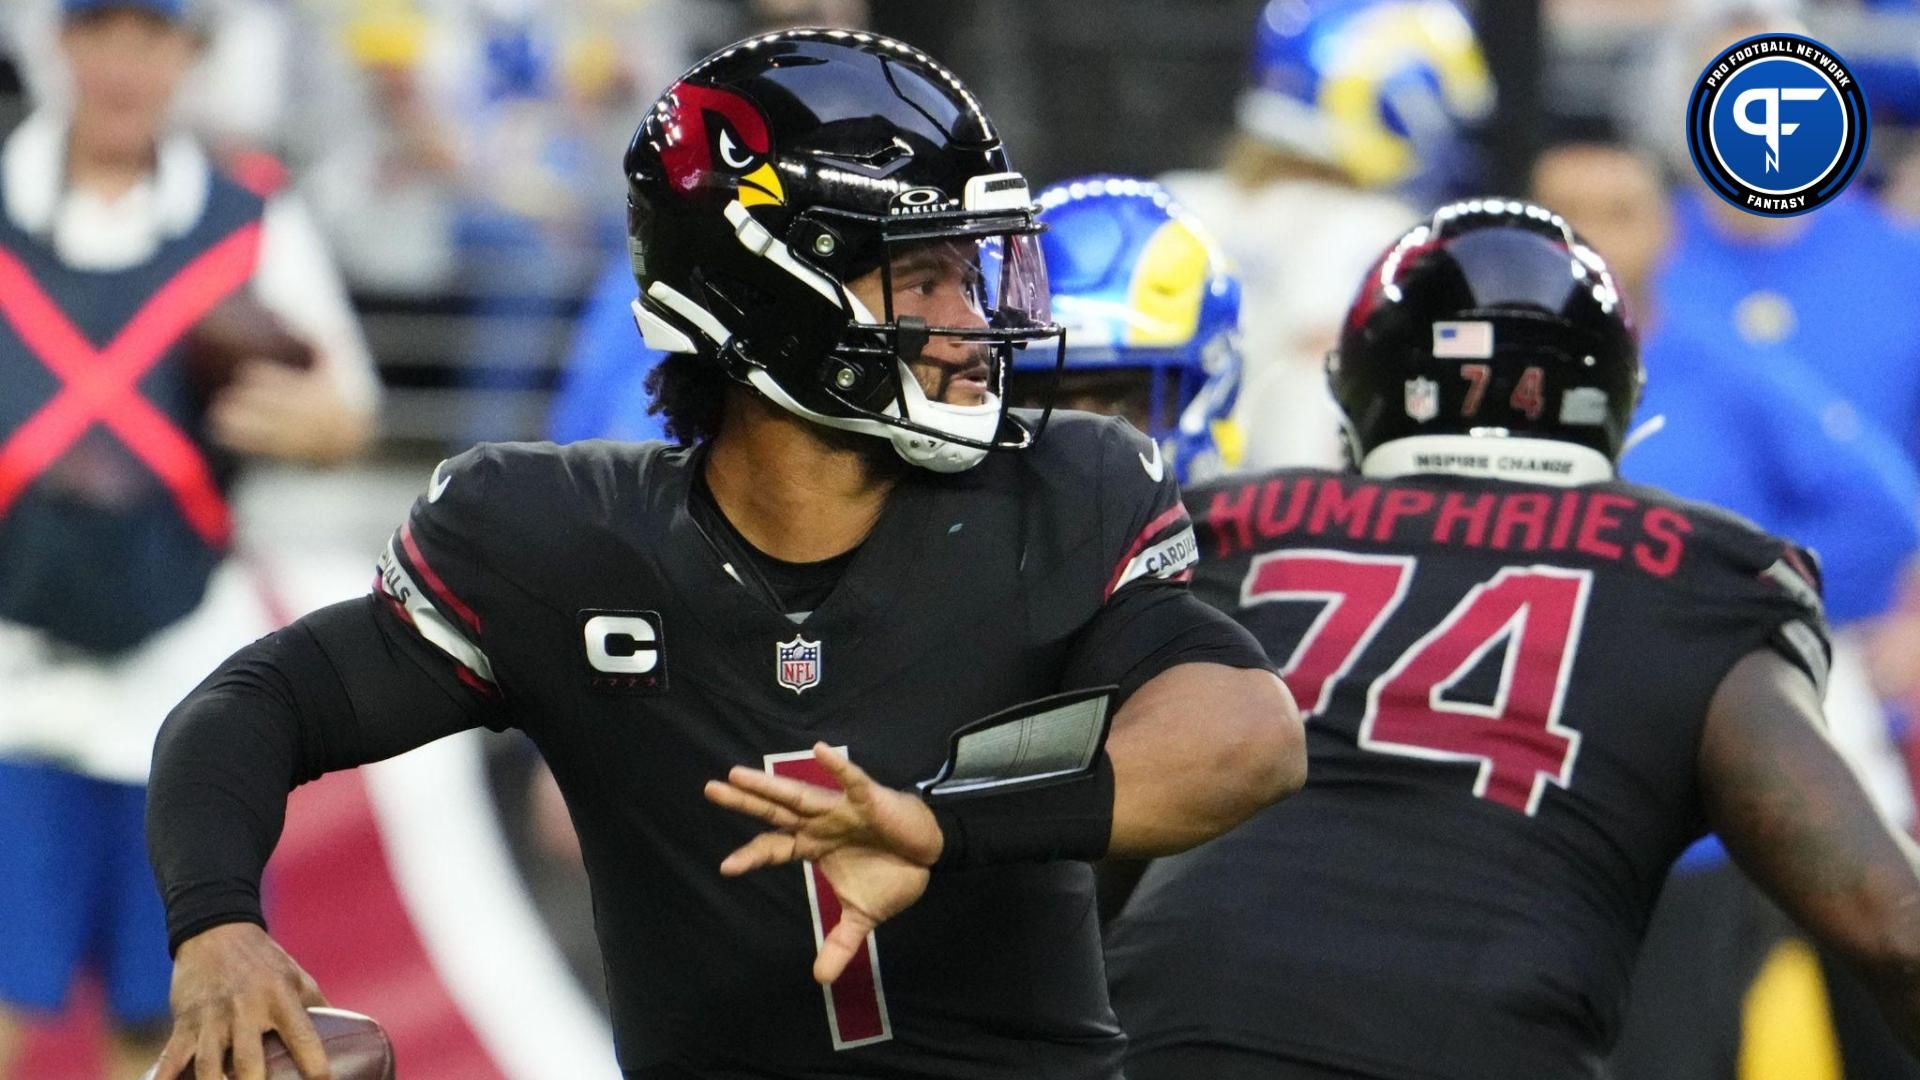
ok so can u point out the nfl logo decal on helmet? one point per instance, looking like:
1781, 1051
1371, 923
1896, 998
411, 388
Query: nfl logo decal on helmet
798, 663
1423, 399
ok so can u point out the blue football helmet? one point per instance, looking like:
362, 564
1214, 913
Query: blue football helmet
1382, 90
1141, 288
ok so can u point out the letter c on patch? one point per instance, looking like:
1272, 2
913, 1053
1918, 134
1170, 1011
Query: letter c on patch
622, 644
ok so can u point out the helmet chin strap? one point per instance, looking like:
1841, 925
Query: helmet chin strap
925, 451
976, 422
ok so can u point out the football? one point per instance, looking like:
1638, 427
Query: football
357, 1048
238, 329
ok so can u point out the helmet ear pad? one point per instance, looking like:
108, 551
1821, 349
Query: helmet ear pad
858, 380
830, 249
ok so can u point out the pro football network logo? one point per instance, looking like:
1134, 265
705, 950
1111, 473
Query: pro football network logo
1777, 125
797, 663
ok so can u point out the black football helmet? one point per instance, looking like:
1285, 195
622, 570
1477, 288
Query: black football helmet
781, 168
1492, 319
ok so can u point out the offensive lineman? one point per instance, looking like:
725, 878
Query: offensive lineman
1532, 687
829, 242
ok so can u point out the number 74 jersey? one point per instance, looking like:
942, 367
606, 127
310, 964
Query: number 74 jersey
1505, 686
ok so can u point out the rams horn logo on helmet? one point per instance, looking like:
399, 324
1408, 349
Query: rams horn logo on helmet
714, 135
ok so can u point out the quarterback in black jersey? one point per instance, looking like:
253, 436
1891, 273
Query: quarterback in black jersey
1529, 687
792, 614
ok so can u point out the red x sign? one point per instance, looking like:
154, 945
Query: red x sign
101, 385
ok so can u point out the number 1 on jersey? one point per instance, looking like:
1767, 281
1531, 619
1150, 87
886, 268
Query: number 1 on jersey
856, 1004
1536, 612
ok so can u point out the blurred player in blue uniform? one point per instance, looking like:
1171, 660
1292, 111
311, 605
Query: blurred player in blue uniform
1759, 432
1798, 288
1831, 289
1141, 288
1353, 118
123, 242
603, 385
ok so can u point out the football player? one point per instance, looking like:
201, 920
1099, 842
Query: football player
1531, 686
1152, 320
856, 550
167, 313
1352, 121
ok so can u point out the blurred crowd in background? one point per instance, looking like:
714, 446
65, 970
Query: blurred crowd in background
461, 155
460, 158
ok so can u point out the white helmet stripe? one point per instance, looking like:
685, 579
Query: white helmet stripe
763, 382
682, 305
660, 334
755, 238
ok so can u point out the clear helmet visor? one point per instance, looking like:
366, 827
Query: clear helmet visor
990, 288
947, 300
1015, 275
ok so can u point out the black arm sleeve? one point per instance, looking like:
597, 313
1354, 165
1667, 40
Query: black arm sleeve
344, 686
1149, 628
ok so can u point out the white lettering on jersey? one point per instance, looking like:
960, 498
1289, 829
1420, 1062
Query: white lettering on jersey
622, 644
1165, 559
433, 626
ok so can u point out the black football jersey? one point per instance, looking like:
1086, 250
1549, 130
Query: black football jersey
577, 598
1505, 686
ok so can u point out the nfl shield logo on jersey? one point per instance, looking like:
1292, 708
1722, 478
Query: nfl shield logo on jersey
799, 663
1423, 399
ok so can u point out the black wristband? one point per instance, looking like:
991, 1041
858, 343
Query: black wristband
1069, 818
192, 929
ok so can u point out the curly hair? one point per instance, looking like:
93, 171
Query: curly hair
691, 392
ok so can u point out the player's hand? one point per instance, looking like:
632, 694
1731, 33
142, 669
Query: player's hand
279, 412
873, 843
873, 886
231, 985
812, 822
